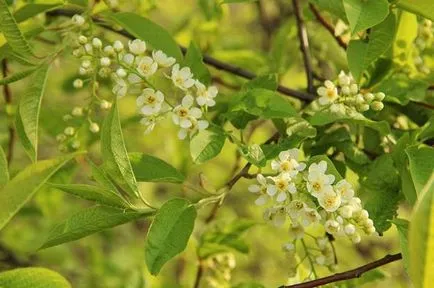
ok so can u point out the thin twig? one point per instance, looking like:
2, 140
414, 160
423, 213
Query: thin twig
304, 46
351, 274
327, 26
8, 99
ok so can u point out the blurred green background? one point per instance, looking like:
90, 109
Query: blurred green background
259, 36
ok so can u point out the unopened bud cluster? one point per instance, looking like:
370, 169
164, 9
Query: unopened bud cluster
346, 92
304, 196
219, 270
423, 43
131, 67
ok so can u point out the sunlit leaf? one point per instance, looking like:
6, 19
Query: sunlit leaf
4, 171
33, 277
365, 14
206, 145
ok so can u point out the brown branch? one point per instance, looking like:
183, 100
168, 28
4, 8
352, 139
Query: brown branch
8, 99
351, 274
426, 105
327, 26
304, 46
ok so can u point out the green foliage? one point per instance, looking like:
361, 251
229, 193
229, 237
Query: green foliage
365, 14
362, 53
27, 121
381, 186
206, 145
331, 169
421, 237
32, 9
421, 159
335, 7
116, 161
23, 186
12, 33
89, 221
169, 233
17, 76
33, 277
4, 173
193, 59
225, 238
145, 29
420, 7
148, 168
402, 227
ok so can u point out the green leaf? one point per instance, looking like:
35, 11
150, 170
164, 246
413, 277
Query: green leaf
224, 238
361, 54
399, 88
263, 103
206, 145
149, 31
82, 3
272, 150
281, 47
148, 168
402, 227
248, 285
423, 8
365, 14
268, 81
421, 237
12, 33
335, 7
17, 76
194, 60
352, 152
300, 127
93, 193
4, 171
21, 188
33, 277
421, 160
115, 156
405, 37
381, 188
427, 131
237, 1
325, 116
253, 154
169, 233
89, 221
101, 177
331, 169
33, 9
27, 120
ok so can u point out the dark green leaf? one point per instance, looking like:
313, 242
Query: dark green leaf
265, 82
335, 7
33, 9
89, 221
33, 278
17, 76
148, 168
193, 59
169, 233
27, 120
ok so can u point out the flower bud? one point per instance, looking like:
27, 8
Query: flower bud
118, 46
377, 106
109, 50
380, 96
88, 48
355, 238
369, 97
94, 127
67, 117
69, 131
105, 105
78, 83
137, 46
77, 111
82, 71
121, 73
78, 20
61, 137
363, 107
346, 90
354, 89
105, 61
75, 144
77, 52
349, 229
86, 64
82, 39
96, 42
104, 72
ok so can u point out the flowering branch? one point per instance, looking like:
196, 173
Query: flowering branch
8, 99
351, 274
304, 46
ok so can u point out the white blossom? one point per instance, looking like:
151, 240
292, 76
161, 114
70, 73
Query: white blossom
330, 200
205, 96
162, 59
146, 66
182, 114
288, 162
120, 88
137, 46
150, 101
182, 78
328, 93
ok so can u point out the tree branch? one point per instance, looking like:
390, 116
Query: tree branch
327, 26
304, 46
8, 99
351, 274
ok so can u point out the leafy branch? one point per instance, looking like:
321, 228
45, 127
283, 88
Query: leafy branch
351, 274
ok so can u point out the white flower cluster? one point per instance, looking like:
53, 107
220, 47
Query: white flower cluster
423, 43
310, 196
219, 270
133, 69
347, 92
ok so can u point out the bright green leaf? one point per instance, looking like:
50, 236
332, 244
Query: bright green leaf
206, 145
21, 188
335, 7
421, 237
253, 154
421, 164
237, 1
148, 168
406, 33
28, 112
33, 277
193, 59
115, 156
362, 53
149, 31
365, 14
33, 9
423, 8
169, 233
269, 82
17, 76
402, 227
400, 88
93, 193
